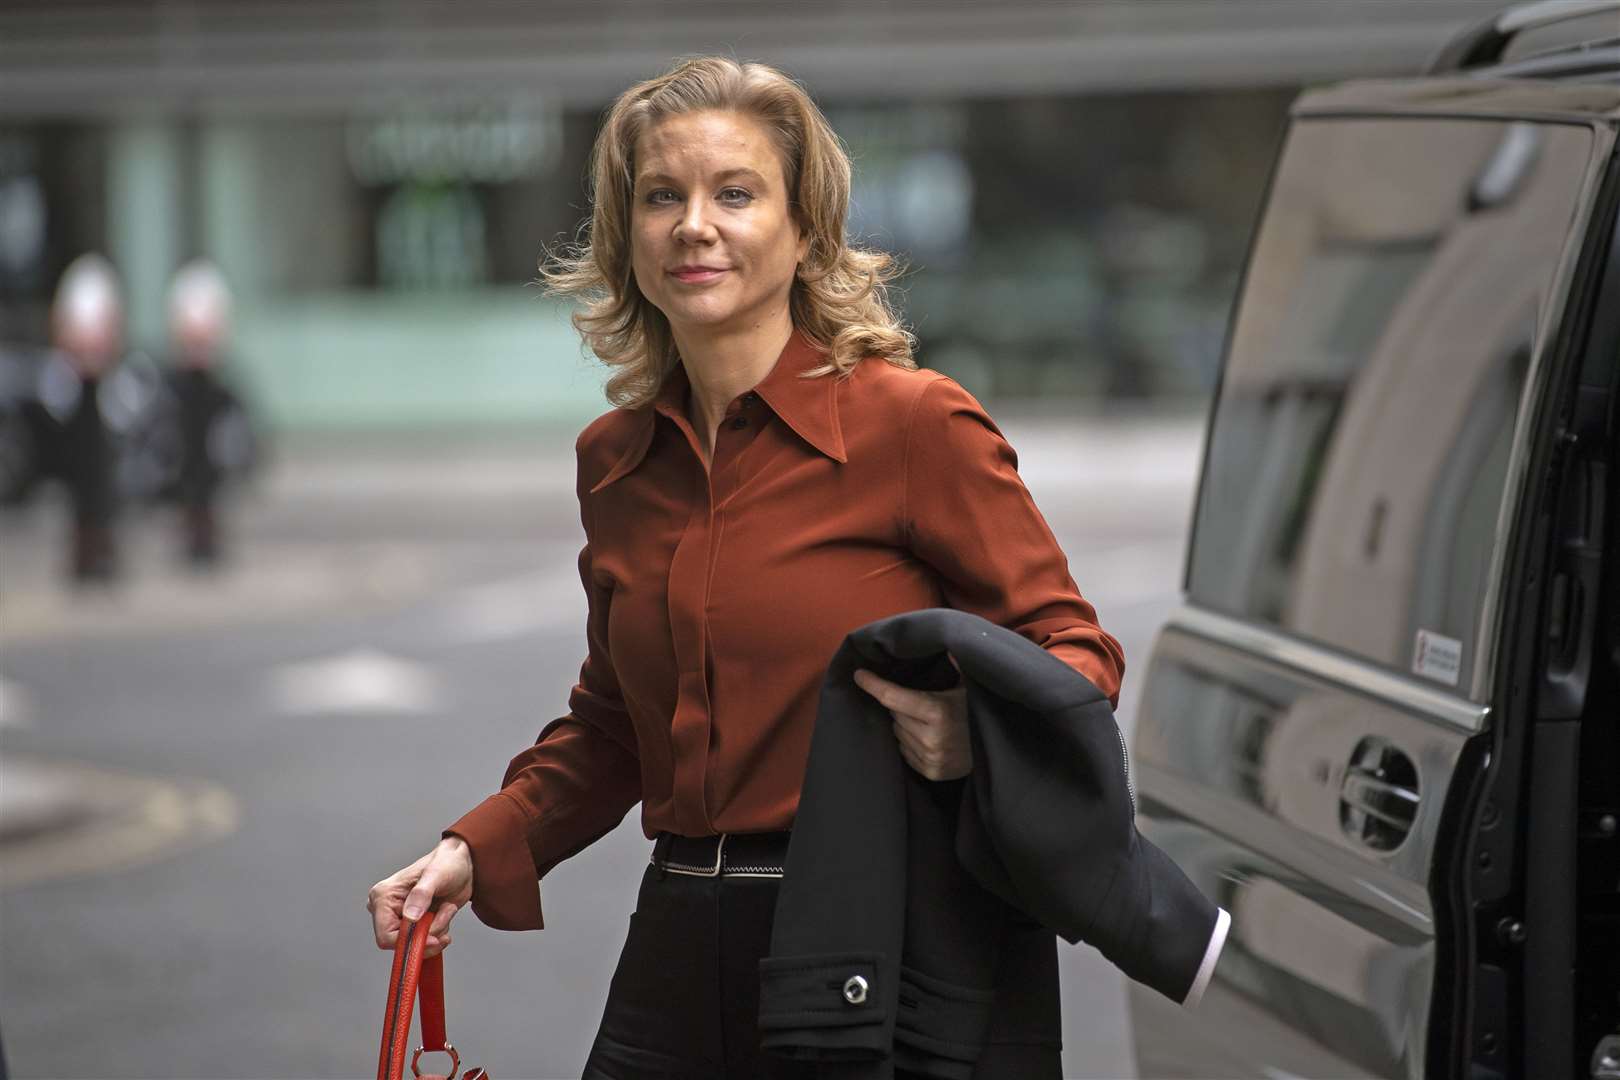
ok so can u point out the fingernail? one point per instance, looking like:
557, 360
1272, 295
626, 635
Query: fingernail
413, 910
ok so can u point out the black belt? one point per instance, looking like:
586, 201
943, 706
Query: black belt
725, 855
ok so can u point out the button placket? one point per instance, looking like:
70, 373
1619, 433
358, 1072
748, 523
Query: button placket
688, 593
736, 438
691, 575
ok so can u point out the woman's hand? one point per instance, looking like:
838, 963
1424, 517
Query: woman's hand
931, 725
444, 874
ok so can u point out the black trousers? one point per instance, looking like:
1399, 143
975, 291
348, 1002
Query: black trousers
684, 1001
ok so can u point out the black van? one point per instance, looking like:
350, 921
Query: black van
1384, 729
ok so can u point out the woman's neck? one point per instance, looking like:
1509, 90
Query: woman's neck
722, 366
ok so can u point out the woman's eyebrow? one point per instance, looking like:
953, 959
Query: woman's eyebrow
724, 174
742, 171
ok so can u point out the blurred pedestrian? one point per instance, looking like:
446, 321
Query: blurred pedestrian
209, 416
778, 473
87, 328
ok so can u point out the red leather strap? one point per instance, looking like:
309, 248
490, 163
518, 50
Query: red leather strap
409, 974
431, 1001
390, 1063
412, 976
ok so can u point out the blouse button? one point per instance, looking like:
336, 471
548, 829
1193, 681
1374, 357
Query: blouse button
739, 423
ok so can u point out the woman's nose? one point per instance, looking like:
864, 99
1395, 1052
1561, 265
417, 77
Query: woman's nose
694, 226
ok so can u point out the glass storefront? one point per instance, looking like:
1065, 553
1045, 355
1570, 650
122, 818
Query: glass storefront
1061, 249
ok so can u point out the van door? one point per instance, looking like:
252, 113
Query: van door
1316, 722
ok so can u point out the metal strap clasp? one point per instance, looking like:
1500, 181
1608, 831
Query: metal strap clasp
455, 1060
698, 871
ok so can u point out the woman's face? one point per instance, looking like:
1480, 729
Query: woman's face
713, 243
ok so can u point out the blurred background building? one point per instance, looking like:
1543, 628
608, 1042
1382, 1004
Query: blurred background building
1072, 185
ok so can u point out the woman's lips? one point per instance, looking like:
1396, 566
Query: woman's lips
696, 275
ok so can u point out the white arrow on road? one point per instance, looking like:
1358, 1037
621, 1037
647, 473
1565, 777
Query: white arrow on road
359, 681
16, 706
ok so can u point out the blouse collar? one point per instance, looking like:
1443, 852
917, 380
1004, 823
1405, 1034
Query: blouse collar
807, 406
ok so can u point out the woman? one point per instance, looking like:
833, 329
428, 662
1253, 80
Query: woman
777, 473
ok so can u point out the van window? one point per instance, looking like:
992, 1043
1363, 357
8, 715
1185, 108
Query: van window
1359, 446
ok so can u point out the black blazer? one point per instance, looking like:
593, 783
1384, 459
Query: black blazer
915, 924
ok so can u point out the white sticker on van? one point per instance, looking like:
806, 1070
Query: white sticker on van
1438, 657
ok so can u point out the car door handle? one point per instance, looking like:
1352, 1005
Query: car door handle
1378, 797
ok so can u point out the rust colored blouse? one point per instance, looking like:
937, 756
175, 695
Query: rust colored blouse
717, 596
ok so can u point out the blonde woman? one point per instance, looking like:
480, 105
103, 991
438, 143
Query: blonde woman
776, 472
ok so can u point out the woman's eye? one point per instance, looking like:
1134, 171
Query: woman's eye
736, 195
660, 197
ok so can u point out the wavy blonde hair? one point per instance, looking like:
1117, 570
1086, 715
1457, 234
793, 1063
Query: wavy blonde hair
840, 294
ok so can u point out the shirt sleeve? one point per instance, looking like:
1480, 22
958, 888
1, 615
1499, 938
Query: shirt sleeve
577, 781
969, 517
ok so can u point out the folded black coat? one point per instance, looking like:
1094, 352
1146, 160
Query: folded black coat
915, 925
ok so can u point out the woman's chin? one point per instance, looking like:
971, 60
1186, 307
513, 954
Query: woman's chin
700, 316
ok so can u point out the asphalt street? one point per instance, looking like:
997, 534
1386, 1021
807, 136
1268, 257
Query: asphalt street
200, 777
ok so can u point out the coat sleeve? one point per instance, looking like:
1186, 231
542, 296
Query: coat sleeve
969, 517
577, 781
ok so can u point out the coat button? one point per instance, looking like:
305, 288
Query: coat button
855, 989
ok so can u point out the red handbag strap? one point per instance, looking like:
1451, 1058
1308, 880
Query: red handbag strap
411, 975
430, 1001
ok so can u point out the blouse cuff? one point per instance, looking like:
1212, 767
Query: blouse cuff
1212, 953
1090, 660
506, 887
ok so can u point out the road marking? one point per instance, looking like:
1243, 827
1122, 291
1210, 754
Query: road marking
75, 820
359, 681
16, 706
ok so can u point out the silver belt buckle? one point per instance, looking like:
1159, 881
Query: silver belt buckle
699, 871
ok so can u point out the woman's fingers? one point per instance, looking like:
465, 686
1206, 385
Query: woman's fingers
911, 758
897, 698
384, 901
925, 733
444, 874
906, 731
435, 946
930, 726
439, 929
420, 898
441, 918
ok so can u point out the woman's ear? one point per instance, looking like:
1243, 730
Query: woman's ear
804, 241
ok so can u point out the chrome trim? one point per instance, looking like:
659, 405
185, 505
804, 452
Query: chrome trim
1356, 675
1394, 822
1548, 12
1346, 871
1366, 781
